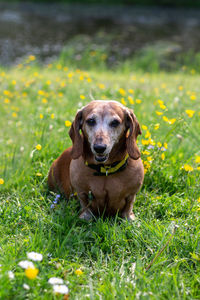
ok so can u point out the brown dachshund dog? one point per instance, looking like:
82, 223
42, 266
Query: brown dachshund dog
103, 166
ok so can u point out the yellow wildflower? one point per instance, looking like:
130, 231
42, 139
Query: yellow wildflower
197, 159
170, 121
44, 100
162, 106
144, 127
6, 100
122, 92
123, 101
31, 57
131, 91
31, 273
190, 112
159, 144
81, 77
147, 135
52, 116
82, 97
130, 99
188, 168
198, 199
70, 75
162, 156
41, 93
79, 272
149, 158
193, 97
146, 152
41, 116
38, 147
159, 113
160, 102
180, 87
165, 145
38, 174
156, 126
1, 181
68, 123
14, 114
138, 101
101, 86
145, 142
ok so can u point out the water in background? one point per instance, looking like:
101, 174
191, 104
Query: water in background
44, 29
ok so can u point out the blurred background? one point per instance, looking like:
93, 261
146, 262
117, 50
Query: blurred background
150, 35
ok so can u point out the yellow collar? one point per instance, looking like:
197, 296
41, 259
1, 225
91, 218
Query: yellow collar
106, 170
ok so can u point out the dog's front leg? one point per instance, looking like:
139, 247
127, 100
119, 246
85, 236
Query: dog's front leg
86, 213
127, 212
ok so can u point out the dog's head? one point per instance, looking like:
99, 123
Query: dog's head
104, 124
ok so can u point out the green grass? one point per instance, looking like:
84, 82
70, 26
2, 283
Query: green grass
113, 254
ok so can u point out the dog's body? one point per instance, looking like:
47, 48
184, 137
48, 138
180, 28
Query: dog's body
103, 166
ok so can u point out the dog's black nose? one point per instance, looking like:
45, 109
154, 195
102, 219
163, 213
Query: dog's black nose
99, 148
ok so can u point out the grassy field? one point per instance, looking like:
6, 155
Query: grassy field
155, 257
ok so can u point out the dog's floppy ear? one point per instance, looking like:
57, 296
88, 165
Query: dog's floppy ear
76, 137
134, 130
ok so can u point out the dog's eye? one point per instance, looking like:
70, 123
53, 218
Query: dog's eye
114, 123
91, 122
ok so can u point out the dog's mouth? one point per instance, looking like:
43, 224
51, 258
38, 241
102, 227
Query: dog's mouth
101, 158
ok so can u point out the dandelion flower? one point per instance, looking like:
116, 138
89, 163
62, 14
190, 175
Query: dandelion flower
31, 273
122, 92
162, 156
101, 86
1, 181
38, 174
38, 147
55, 280
193, 97
144, 127
123, 101
35, 256
78, 272
138, 101
68, 123
82, 97
52, 116
41, 116
156, 126
159, 113
197, 159
190, 112
60, 289
159, 144
131, 91
188, 168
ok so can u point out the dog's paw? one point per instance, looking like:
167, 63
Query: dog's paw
129, 217
85, 215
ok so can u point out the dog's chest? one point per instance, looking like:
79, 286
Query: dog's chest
105, 191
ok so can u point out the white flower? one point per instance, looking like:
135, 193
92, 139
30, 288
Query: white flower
35, 256
11, 275
55, 280
26, 286
24, 264
61, 289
